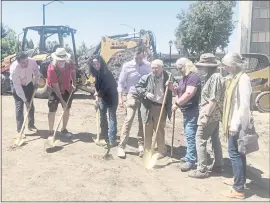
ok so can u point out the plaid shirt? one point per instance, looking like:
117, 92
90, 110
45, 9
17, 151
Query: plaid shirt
213, 89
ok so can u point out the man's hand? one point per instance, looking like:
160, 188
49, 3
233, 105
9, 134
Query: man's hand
174, 107
27, 105
73, 87
170, 85
121, 102
64, 104
36, 86
150, 96
203, 120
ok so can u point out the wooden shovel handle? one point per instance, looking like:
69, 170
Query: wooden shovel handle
54, 133
160, 115
28, 111
173, 133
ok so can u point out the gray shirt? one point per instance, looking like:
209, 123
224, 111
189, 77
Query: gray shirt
130, 76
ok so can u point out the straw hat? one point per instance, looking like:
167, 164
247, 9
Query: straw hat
208, 60
232, 59
60, 55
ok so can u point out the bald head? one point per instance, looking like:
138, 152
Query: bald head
157, 67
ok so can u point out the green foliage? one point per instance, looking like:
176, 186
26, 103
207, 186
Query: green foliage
8, 44
206, 26
82, 49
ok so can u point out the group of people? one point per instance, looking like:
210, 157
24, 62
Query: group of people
204, 99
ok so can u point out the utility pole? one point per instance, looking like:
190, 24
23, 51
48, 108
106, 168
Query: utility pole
170, 44
43, 9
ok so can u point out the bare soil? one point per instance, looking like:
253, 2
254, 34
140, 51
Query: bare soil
76, 171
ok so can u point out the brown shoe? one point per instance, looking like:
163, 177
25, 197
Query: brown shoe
234, 194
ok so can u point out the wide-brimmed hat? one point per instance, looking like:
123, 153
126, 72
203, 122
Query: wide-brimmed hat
232, 59
208, 60
60, 55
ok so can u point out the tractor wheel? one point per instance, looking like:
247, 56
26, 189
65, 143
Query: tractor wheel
5, 84
262, 102
42, 91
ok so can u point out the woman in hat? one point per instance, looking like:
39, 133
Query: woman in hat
106, 97
188, 96
209, 116
236, 115
60, 74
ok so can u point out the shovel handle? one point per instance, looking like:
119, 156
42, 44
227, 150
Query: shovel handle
173, 134
28, 111
98, 125
160, 115
54, 133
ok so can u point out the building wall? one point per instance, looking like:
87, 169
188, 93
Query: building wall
254, 27
260, 28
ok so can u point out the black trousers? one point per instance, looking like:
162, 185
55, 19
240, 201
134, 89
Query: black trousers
19, 105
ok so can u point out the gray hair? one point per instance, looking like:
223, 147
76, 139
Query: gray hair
234, 60
157, 62
187, 64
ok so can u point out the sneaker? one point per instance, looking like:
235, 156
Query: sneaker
121, 153
111, 145
198, 174
187, 166
32, 128
141, 150
233, 194
66, 133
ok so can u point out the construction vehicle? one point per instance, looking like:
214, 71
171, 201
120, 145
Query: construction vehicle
258, 69
115, 50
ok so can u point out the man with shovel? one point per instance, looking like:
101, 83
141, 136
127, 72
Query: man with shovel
22, 86
130, 74
60, 74
151, 88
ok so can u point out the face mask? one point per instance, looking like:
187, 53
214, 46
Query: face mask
61, 64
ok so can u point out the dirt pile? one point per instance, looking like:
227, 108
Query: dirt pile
114, 64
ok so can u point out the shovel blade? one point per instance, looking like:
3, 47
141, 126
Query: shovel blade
19, 141
150, 159
99, 142
50, 143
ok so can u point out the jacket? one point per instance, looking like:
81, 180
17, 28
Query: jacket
146, 84
105, 85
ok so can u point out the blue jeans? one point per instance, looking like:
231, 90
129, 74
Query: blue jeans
239, 164
190, 128
111, 136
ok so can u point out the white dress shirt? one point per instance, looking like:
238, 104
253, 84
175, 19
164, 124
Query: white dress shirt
23, 76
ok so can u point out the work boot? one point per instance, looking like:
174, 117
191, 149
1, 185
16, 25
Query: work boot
141, 149
187, 166
233, 194
32, 128
121, 152
198, 174
66, 133
215, 169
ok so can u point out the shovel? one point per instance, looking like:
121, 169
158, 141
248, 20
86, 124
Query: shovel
51, 142
149, 158
97, 140
21, 138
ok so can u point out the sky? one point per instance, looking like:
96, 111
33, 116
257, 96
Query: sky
94, 19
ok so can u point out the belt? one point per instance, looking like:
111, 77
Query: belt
156, 104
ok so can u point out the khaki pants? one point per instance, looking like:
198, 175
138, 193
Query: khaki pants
132, 104
150, 129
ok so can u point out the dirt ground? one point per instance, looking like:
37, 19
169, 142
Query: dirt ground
75, 171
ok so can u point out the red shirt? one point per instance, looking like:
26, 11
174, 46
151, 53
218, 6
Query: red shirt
64, 79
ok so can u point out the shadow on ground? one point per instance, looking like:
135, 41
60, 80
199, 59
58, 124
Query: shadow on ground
257, 186
79, 137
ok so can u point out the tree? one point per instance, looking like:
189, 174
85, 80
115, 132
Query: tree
82, 49
206, 26
9, 41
